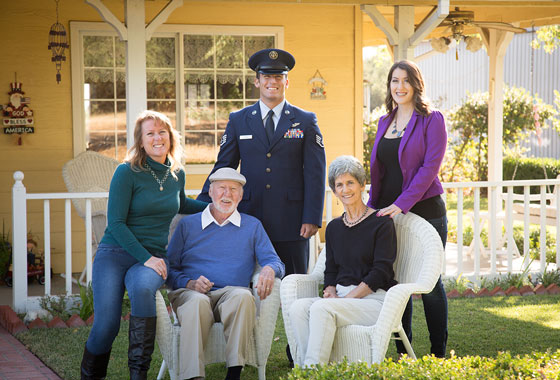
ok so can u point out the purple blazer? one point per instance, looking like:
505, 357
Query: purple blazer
421, 152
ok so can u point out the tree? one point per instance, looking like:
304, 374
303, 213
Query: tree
468, 125
376, 69
548, 38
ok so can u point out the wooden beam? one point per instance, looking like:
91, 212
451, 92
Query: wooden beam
109, 18
381, 22
162, 17
437, 15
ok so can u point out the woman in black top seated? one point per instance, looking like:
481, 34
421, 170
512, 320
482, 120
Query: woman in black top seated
360, 251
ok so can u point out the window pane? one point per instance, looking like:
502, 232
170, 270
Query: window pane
120, 53
229, 85
166, 107
121, 84
98, 51
254, 44
229, 52
100, 127
251, 91
200, 147
121, 131
199, 85
224, 109
161, 84
98, 84
199, 51
160, 52
199, 115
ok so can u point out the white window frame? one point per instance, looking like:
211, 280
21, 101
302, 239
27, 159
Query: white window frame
78, 29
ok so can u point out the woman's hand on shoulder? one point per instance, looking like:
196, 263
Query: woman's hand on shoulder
329, 292
158, 265
392, 210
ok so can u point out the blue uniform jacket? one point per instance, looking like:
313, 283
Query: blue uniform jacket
286, 178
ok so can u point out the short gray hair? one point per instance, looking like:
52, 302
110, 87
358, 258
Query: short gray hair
346, 164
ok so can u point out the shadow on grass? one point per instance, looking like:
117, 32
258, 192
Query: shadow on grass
477, 326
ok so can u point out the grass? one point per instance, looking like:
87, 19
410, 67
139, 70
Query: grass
477, 326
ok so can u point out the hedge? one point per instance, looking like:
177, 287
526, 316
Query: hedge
530, 168
537, 365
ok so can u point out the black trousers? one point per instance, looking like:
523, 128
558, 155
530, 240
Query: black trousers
294, 255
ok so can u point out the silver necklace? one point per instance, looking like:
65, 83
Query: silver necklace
350, 224
160, 181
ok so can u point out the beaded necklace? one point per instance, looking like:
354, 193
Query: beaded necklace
350, 224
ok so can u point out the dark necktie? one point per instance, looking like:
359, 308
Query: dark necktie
269, 126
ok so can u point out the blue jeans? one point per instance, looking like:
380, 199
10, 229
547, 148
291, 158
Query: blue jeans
114, 269
435, 306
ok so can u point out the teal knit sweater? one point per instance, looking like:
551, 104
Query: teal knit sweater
138, 214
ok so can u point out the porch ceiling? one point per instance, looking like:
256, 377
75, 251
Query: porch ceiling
520, 13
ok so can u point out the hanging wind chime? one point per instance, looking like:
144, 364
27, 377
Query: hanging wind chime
58, 41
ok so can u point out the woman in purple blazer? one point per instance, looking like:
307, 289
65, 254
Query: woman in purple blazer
405, 161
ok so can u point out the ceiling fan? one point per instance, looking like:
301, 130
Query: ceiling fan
456, 22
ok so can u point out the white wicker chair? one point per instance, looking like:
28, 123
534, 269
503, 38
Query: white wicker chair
90, 172
417, 268
168, 328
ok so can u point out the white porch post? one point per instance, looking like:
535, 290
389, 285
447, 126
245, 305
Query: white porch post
136, 91
404, 25
496, 42
19, 247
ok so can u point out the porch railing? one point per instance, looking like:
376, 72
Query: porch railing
492, 216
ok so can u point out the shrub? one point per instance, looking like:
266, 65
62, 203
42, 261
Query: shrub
86, 295
460, 284
548, 278
56, 305
536, 365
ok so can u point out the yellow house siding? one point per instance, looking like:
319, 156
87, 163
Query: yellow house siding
321, 37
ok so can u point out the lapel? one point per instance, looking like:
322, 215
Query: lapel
409, 130
286, 120
254, 121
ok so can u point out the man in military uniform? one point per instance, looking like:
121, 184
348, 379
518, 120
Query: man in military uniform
282, 156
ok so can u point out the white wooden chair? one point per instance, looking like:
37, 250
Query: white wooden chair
534, 209
90, 172
168, 329
417, 268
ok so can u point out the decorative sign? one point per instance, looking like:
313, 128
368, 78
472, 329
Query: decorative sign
17, 116
318, 90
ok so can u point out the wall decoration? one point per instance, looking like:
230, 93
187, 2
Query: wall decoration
318, 86
58, 41
17, 116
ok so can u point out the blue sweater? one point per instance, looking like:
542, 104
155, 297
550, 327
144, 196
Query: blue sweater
224, 255
138, 214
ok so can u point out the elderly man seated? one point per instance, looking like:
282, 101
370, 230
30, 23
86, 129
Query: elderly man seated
211, 259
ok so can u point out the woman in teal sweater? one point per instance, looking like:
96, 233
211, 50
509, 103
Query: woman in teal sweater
146, 191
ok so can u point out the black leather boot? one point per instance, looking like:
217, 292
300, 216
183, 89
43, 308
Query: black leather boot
94, 367
141, 337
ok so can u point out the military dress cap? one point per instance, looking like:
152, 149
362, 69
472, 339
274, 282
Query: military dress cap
227, 174
272, 61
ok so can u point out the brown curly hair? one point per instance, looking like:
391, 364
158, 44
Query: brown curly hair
136, 155
421, 104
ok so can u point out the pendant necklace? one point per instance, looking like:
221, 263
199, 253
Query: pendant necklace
397, 132
350, 224
160, 181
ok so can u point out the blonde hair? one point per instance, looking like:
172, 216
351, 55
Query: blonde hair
137, 156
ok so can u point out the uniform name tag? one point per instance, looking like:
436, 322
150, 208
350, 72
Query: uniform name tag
245, 137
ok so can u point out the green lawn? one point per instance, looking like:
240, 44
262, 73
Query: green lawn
480, 326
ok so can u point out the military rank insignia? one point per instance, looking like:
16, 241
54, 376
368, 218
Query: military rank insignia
293, 133
319, 141
223, 139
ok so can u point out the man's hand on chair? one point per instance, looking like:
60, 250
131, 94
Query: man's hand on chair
266, 282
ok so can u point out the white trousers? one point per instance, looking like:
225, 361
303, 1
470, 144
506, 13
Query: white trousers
315, 321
